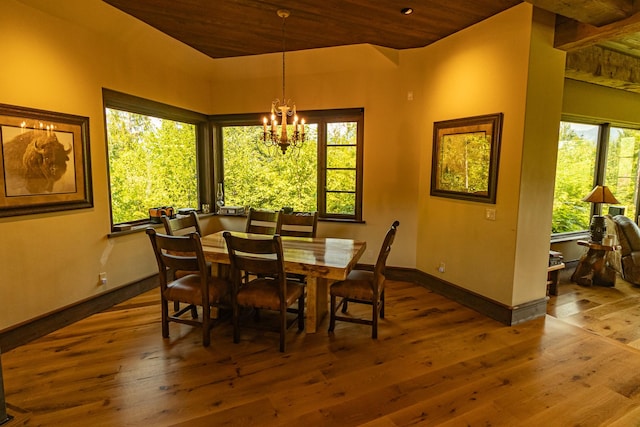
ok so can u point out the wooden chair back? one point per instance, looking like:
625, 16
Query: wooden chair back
299, 224
182, 225
363, 287
385, 250
178, 253
262, 221
260, 257
197, 287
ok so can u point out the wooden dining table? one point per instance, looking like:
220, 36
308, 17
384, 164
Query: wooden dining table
320, 259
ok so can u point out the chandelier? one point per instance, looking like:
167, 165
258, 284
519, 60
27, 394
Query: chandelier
283, 109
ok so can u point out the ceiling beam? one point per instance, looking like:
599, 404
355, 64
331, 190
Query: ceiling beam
597, 13
571, 34
604, 67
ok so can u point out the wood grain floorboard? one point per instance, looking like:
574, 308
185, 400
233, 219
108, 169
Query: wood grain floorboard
436, 363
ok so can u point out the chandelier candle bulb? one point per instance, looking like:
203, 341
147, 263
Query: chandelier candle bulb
283, 107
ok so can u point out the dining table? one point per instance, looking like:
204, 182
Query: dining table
321, 259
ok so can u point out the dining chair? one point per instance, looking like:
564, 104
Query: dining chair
365, 287
270, 289
197, 289
181, 225
298, 224
262, 221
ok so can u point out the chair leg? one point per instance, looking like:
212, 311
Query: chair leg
344, 304
206, 326
194, 312
374, 319
176, 306
301, 312
165, 318
382, 305
332, 313
283, 328
236, 326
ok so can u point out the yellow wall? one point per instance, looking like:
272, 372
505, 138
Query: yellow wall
484, 70
542, 113
589, 100
59, 61
60, 55
345, 77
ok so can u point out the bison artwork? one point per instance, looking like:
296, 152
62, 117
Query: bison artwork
33, 162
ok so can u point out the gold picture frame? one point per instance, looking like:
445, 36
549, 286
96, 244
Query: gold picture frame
44, 161
465, 158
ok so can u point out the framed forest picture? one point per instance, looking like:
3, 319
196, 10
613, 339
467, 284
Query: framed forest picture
465, 158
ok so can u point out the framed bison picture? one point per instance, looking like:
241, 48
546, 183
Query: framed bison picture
44, 161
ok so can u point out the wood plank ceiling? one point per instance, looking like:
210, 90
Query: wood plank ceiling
602, 38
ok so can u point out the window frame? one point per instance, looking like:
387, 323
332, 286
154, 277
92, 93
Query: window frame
137, 105
602, 147
322, 118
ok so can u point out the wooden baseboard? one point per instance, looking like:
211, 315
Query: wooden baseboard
507, 315
28, 331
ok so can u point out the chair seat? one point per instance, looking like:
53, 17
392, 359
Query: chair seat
187, 289
263, 293
358, 285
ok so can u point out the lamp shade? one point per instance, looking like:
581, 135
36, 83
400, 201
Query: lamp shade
601, 194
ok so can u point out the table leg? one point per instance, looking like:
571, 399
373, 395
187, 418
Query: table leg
552, 282
317, 301
593, 270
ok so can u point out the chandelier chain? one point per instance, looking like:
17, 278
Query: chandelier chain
284, 20
283, 108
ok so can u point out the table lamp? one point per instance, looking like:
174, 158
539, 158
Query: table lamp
598, 227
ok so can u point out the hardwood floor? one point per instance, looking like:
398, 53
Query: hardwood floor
610, 312
436, 363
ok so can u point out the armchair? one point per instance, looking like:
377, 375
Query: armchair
629, 238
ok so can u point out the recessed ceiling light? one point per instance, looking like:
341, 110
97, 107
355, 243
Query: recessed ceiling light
406, 11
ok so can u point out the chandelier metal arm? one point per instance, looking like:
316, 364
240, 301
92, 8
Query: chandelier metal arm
283, 108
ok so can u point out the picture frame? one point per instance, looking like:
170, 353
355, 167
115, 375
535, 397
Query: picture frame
45, 161
465, 158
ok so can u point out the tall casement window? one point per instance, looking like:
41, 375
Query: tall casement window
324, 174
152, 155
589, 154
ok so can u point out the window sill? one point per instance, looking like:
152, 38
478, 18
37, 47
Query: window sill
137, 228
134, 229
568, 237
344, 220
142, 227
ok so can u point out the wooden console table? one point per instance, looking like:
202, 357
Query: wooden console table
593, 268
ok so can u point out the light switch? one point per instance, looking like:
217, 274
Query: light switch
490, 214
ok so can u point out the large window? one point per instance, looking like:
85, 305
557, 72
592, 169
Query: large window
152, 153
159, 155
324, 174
589, 154
622, 168
577, 148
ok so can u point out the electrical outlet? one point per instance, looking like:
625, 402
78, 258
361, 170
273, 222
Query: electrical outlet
441, 268
103, 278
